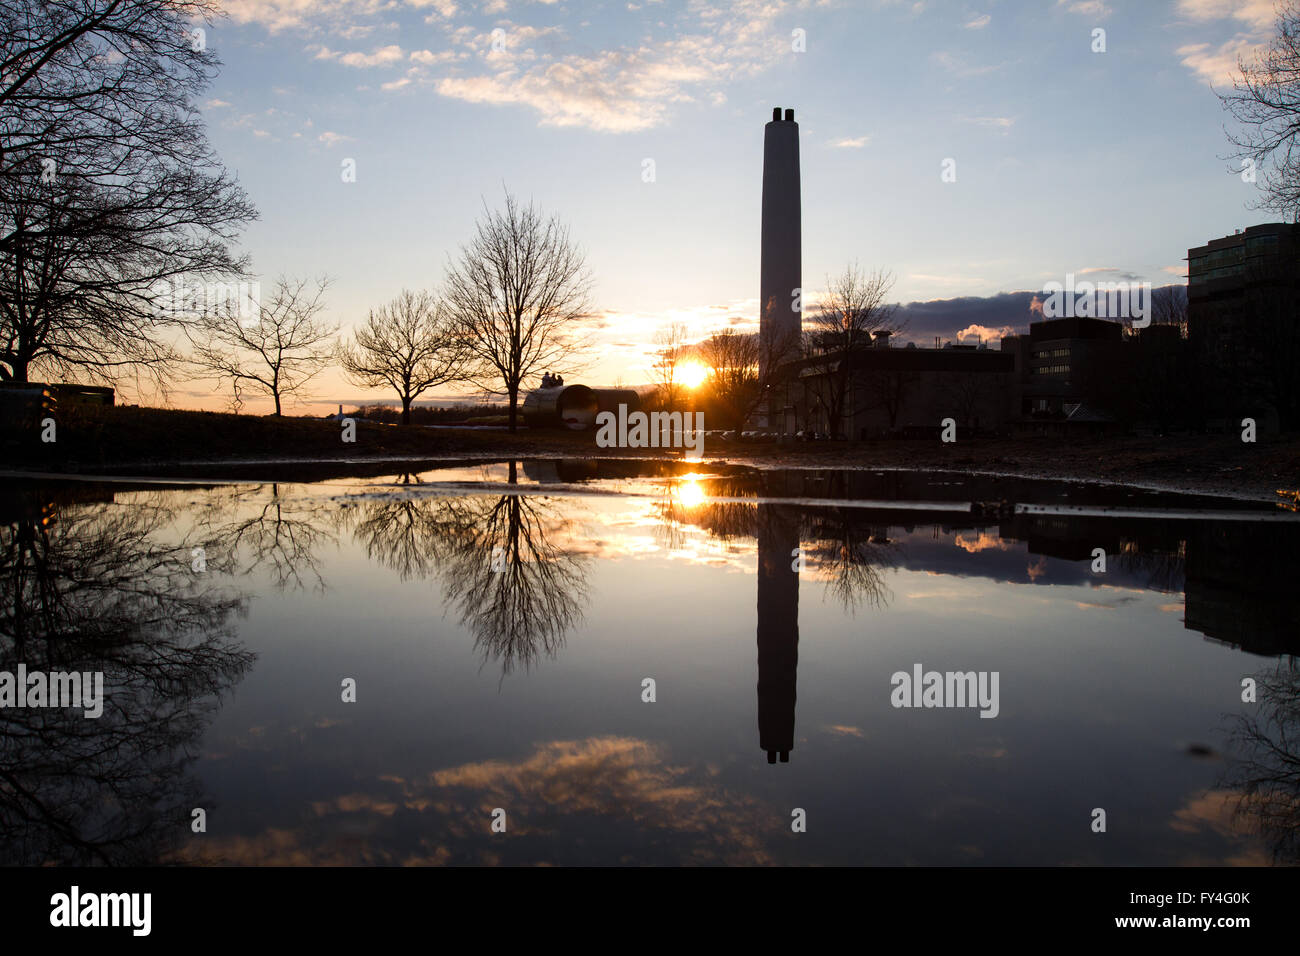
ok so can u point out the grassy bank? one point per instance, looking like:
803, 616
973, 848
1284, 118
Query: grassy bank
165, 442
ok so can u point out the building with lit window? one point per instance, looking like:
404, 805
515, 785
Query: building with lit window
1062, 368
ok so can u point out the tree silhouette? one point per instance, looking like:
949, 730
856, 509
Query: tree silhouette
514, 586
98, 589
1266, 773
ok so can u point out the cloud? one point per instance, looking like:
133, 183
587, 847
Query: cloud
1216, 62
278, 124
447, 8
335, 16
1256, 14
1218, 65
429, 58
1122, 274
991, 122
958, 66
854, 143
1086, 8
356, 31
949, 319
383, 56
978, 23
515, 38
622, 88
990, 317
625, 89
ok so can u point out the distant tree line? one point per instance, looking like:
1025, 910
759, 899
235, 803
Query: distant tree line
430, 414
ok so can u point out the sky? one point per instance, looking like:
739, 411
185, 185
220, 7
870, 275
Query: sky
1067, 159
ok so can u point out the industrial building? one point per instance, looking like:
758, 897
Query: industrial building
1062, 368
900, 391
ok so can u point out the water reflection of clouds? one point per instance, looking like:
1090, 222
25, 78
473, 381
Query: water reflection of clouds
844, 731
1217, 812
981, 540
621, 791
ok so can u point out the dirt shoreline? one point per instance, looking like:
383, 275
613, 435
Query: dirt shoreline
160, 443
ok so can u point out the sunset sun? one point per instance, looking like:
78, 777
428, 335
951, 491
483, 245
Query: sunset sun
692, 374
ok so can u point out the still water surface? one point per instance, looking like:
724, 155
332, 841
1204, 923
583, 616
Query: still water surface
500, 622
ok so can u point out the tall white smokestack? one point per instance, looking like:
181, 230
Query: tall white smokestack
780, 309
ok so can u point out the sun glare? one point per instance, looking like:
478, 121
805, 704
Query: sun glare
690, 494
692, 374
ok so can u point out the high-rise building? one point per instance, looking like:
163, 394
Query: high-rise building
1243, 322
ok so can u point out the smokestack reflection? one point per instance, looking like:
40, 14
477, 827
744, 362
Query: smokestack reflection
778, 629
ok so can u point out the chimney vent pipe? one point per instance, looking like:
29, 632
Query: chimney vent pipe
789, 116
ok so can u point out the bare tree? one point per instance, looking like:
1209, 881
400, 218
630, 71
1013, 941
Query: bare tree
410, 345
516, 293
842, 326
744, 371
888, 389
109, 190
1265, 100
732, 359
65, 65
671, 348
853, 558
278, 353
1169, 305
963, 395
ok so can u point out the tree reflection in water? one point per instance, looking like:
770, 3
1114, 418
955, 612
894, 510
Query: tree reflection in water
503, 561
260, 530
1266, 771
521, 600
95, 587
